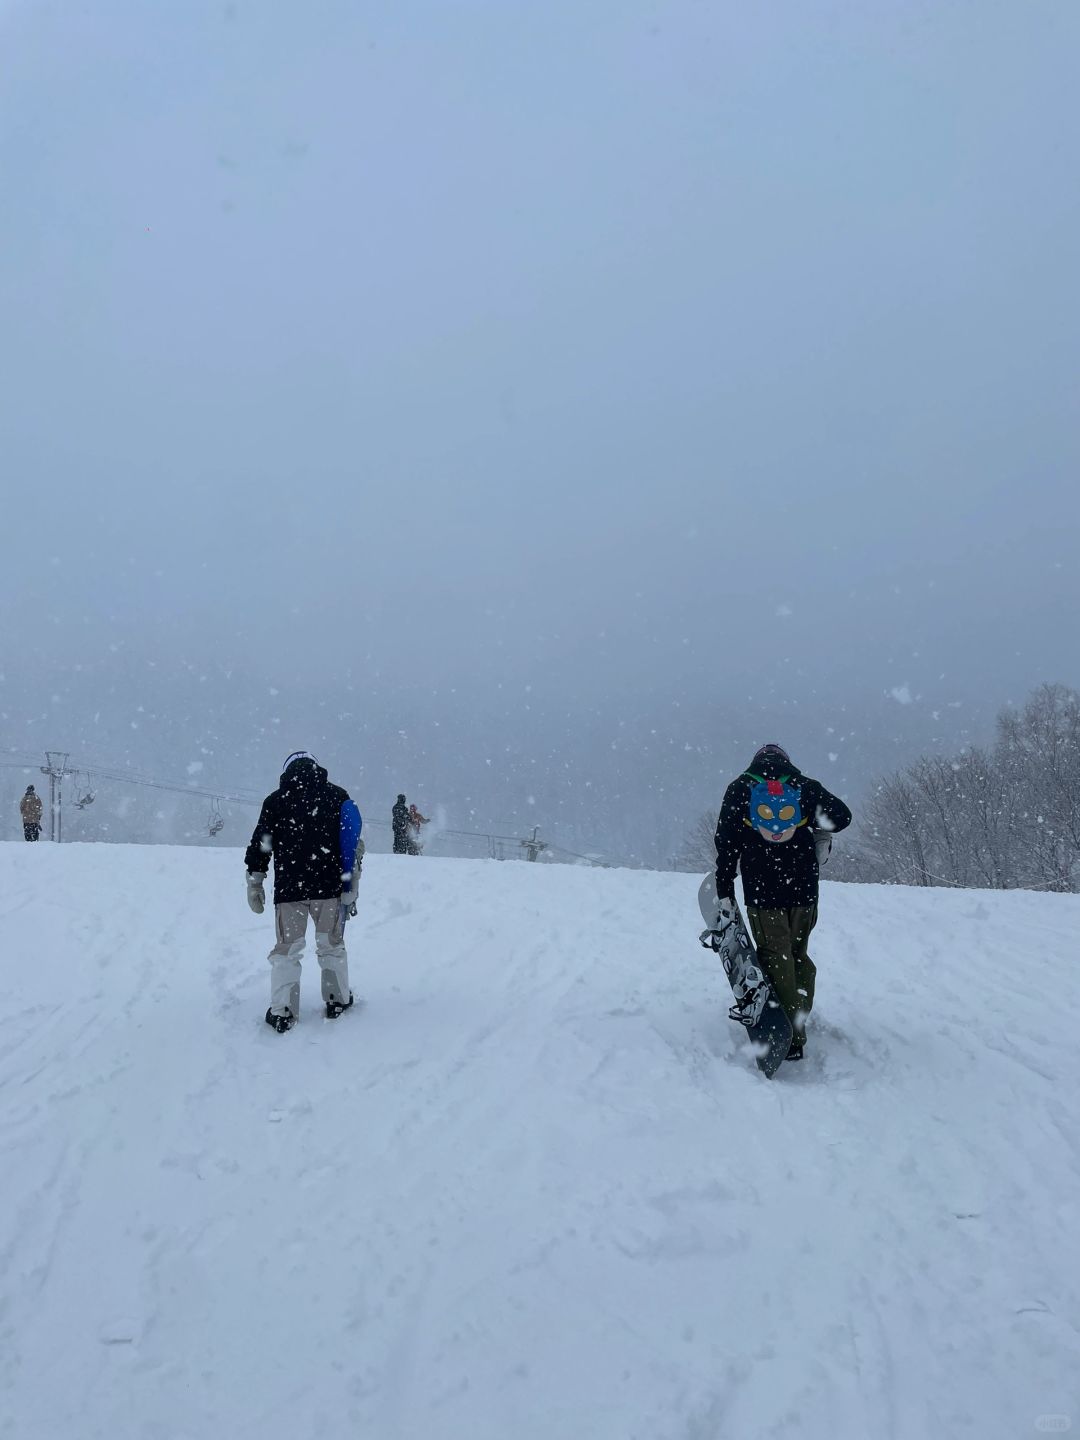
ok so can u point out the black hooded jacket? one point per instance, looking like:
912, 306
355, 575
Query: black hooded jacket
301, 824
775, 875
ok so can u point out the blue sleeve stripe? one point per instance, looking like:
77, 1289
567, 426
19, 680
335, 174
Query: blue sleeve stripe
351, 825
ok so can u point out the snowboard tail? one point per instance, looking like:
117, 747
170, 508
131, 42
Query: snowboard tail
756, 1006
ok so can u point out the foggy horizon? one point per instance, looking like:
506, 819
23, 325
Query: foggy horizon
532, 410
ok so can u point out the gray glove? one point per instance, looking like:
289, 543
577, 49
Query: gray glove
823, 846
354, 883
350, 888
256, 897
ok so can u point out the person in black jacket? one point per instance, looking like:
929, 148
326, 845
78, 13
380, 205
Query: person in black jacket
400, 820
776, 827
312, 830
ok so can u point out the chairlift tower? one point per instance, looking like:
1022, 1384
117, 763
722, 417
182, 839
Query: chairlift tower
56, 767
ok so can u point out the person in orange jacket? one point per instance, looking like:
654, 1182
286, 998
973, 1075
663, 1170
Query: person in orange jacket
415, 822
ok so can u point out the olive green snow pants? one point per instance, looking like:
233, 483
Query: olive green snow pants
781, 937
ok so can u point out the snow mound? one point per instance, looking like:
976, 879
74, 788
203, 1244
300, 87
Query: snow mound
535, 1189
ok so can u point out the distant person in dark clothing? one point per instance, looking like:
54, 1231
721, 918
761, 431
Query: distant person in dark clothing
776, 827
400, 817
312, 830
30, 810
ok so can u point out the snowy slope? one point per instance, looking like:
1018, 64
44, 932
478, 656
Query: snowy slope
536, 1189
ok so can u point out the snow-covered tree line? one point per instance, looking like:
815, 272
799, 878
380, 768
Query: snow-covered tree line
1002, 816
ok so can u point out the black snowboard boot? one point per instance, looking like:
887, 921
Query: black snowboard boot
281, 1023
334, 1008
795, 1049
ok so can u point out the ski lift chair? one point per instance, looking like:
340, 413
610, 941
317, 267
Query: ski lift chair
85, 794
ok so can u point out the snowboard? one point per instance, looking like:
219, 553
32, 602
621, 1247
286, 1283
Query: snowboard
756, 1005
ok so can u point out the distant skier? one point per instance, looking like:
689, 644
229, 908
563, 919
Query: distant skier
400, 820
776, 825
312, 829
416, 820
30, 810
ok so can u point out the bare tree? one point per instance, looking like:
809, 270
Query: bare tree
1039, 747
698, 852
939, 801
895, 827
993, 827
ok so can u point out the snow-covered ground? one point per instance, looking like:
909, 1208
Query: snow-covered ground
536, 1189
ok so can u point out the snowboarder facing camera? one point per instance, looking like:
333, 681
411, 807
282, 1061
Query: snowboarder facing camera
776, 827
312, 830
30, 810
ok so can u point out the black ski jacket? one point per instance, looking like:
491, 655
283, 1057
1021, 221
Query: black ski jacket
400, 817
775, 875
311, 828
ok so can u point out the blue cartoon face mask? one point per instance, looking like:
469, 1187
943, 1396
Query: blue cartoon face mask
775, 811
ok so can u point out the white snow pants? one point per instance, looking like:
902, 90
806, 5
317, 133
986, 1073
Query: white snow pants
291, 924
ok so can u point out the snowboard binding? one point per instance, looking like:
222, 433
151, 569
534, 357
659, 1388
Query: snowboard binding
751, 996
748, 984
334, 1008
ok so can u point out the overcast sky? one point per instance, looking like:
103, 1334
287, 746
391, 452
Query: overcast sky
548, 374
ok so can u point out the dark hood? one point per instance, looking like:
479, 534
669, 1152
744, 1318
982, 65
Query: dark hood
771, 762
304, 775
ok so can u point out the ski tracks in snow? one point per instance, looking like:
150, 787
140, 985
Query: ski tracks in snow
535, 1187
